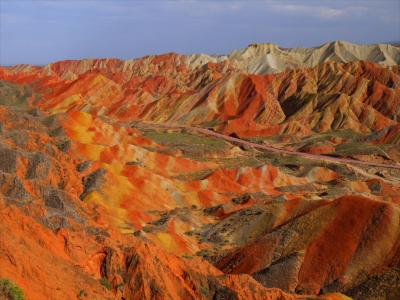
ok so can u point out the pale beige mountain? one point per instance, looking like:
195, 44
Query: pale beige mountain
270, 58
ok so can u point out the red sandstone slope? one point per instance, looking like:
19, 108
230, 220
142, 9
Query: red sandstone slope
368, 229
57, 247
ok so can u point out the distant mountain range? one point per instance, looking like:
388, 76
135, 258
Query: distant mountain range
270, 58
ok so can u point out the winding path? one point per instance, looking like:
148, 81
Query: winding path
278, 150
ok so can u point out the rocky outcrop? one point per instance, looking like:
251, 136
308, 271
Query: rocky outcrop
8, 160
144, 272
92, 182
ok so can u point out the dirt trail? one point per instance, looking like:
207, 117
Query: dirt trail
278, 150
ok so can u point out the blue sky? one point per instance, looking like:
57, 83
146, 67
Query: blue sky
39, 32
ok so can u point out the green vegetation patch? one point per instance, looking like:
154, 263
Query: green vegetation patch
10, 291
15, 95
313, 139
183, 140
199, 175
362, 149
239, 162
104, 282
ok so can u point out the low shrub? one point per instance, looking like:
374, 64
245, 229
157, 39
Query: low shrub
104, 282
10, 291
